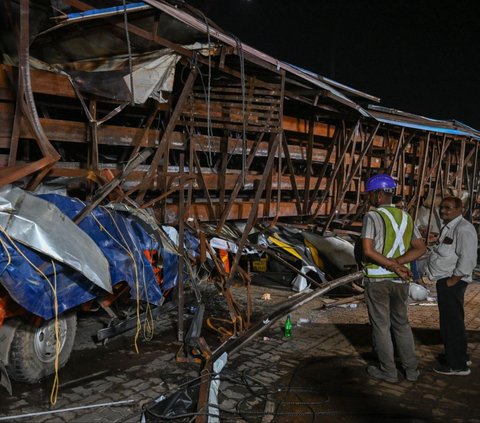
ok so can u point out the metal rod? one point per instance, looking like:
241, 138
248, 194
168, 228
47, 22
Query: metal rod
108, 188
293, 181
238, 182
265, 322
253, 210
420, 187
12, 156
93, 157
331, 147
143, 132
473, 192
439, 167
335, 171
397, 152
349, 180
65, 410
162, 148
201, 182
234, 344
459, 181
181, 229
311, 136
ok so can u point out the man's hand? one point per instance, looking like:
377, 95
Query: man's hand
402, 271
432, 238
453, 280
393, 265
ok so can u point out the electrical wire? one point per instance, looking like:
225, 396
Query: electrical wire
257, 389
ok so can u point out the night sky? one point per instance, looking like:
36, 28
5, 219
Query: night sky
418, 56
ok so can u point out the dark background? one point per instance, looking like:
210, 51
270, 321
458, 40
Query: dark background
418, 56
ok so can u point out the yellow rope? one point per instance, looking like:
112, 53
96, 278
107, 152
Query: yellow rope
6, 251
56, 381
148, 328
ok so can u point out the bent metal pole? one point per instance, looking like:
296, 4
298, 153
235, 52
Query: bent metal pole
234, 344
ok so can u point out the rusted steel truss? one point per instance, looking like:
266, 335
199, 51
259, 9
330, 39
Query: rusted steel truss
314, 160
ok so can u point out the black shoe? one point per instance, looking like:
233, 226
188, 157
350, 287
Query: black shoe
443, 360
445, 370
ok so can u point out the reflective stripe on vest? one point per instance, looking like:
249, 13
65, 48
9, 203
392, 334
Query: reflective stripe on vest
396, 236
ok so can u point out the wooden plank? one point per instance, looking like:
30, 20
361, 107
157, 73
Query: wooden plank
75, 132
6, 92
301, 125
239, 128
235, 115
239, 210
6, 120
69, 131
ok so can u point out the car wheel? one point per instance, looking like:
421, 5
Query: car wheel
32, 352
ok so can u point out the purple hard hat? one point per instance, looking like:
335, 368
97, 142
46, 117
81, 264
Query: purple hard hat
381, 182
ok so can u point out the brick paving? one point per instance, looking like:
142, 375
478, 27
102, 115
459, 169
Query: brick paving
317, 375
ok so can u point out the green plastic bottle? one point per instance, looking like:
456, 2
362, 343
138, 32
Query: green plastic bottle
287, 329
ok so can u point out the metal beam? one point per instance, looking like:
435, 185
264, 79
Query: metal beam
349, 179
337, 167
253, 211
164, 142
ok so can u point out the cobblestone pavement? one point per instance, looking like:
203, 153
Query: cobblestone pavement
317, 375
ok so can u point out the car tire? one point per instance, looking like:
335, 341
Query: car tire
32, 352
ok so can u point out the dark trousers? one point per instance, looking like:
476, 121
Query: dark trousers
452, 322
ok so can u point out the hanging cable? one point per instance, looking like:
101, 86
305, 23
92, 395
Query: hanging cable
130, 62
208, 91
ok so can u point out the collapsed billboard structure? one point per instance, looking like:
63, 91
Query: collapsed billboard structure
92, 88
152, 106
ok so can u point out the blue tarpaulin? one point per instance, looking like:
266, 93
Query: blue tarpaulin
121, 239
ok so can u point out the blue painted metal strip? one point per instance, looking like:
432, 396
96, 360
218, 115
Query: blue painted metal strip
108, 10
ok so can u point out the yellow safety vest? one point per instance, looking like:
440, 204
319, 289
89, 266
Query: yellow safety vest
398, 236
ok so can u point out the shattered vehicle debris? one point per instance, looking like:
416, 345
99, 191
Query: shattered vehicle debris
141, 144
51, 265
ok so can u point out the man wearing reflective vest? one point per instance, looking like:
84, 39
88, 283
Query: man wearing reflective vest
390, 241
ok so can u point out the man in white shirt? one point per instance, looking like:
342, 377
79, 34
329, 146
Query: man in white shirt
451, 264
